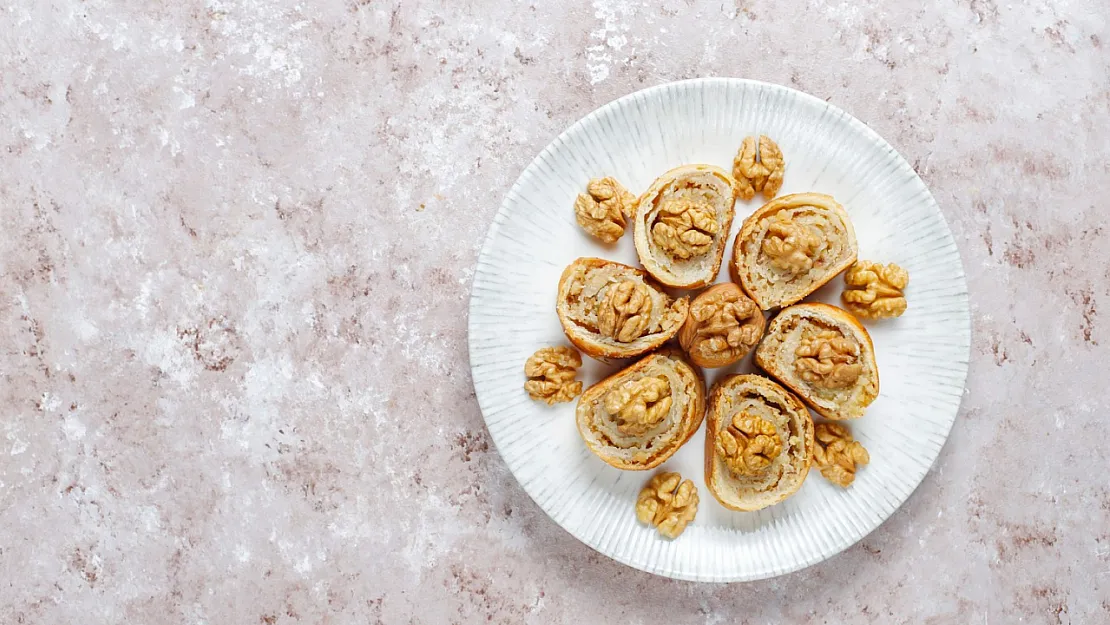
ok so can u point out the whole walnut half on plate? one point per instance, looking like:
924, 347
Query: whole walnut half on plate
551, 372
669, 503
875, 291
723, 326
604, 208
837, 455
758, 167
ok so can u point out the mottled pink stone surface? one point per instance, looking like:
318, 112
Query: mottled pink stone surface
236, 248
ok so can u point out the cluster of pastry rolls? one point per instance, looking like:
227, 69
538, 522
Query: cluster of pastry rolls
760, 439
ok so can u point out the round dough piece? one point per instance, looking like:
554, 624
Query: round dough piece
682, 223
724, 325
792, 246
756, 396
638, 418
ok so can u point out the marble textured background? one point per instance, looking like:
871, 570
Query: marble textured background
236, 245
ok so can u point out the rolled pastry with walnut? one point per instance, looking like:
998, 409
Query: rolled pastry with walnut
610, 310
790, 247
682, 223
758, 443
723, 326
638, 418
824, 355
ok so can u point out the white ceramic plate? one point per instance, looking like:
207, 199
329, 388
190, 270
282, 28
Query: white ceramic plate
922, 355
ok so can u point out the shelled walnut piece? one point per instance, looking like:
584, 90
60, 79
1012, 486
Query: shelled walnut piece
723, 326
625, 312
639, 405
668, 503
551, 372
828, 359
790, 247
837, 454
758, 169
749, 444
875, 291
604, 209
685, 227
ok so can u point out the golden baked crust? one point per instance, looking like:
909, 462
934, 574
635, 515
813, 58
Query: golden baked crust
780, 467
792, 246
610, 310
836, 374
681, 225
668, 502
637, 418
724, 325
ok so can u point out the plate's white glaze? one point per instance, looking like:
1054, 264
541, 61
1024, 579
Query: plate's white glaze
922, 356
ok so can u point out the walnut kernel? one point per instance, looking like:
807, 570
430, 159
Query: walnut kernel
685, 227
624, 312
875, 291
639, 405
837, 454
551, 372
604, 209
828, 359
749, 444
790, 247
758, 170
723, 326
667, 502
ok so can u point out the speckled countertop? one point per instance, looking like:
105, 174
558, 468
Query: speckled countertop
236, 248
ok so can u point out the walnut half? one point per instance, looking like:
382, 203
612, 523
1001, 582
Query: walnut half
604, 209
749, 444
723, 326
639, 405
668, 503
790, 247
685, 227
624, 312
828, 359
837, 454
875, 291
758, 169
551, 372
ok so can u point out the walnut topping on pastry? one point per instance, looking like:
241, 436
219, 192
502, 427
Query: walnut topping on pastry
639, 405
828, 359
610, 310
837, 454
790, 247
723, 326
604, 208
685, 227
624, 313
875, 291
669, 503
749, 444
551, 372
758, 169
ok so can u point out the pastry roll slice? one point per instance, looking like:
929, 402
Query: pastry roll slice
790, 247
610, 310
681, 225
637, 418
758, 443
825, 356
